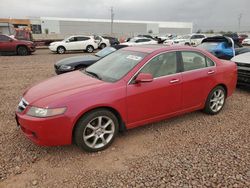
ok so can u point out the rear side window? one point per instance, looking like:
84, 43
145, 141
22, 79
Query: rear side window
82, 38
210, 63
193, 61
4, 38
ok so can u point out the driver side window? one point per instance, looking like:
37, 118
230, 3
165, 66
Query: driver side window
161, 65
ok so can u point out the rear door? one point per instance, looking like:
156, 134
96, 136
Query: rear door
82, 42
198, 78
162, 96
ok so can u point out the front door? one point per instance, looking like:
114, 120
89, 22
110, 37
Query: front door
7, 44
162, 96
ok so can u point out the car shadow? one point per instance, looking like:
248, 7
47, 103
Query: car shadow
243, 88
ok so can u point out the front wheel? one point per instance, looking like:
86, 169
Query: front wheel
96, 130
22, 50
61, 50
215, 100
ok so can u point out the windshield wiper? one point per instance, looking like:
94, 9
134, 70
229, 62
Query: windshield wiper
93, 74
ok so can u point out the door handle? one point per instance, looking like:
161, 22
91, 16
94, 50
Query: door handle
211, 72
174, 81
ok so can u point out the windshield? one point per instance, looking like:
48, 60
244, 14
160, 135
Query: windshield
116, 65
105, 51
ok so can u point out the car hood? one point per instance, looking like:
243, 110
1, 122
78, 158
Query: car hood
77, 59
57, 43
61, 86
242, 58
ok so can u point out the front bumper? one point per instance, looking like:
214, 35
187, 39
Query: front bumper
32, 49
52, 131
243, 74
53, 48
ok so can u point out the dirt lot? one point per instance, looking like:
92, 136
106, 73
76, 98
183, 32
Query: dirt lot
194, 150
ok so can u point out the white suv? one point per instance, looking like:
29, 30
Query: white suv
72, 43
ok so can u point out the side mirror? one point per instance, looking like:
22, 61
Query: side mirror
67, 41
11, 40
144, 77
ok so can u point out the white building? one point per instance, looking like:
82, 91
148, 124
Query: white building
72, 26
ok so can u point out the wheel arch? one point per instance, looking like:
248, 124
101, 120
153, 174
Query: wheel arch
61, 46
122, 126
224, 86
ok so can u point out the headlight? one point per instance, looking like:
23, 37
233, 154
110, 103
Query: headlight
66, 67
45, 112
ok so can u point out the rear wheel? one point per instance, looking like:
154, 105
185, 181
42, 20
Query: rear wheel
61, 50
215, 100
96, 130
90, 49
103, 45
22, 50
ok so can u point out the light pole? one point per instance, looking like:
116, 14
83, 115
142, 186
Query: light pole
239, 20
112, 19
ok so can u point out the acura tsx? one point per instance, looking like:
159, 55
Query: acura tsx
129, 88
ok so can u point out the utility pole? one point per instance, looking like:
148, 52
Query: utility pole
239, 21
112, 19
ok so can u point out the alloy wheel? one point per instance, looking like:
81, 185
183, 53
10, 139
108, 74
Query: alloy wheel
217, 100
99, 132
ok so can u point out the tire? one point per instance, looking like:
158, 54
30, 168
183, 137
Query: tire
89, 49
22, 51
215, 101
89, 133
103, 45
187, 44
60, 50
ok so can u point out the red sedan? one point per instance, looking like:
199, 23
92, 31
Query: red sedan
129, 88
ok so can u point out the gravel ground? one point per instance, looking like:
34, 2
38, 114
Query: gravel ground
193, 150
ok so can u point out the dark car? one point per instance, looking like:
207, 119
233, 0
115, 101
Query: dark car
81, 62
112, 40
222, 47
233, 36
243, 64
12, 45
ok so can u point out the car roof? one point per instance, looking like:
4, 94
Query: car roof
161, 48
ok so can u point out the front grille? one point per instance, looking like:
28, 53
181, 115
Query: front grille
242, 64
22, 105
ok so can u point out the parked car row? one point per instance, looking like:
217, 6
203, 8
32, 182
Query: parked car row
191, 40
